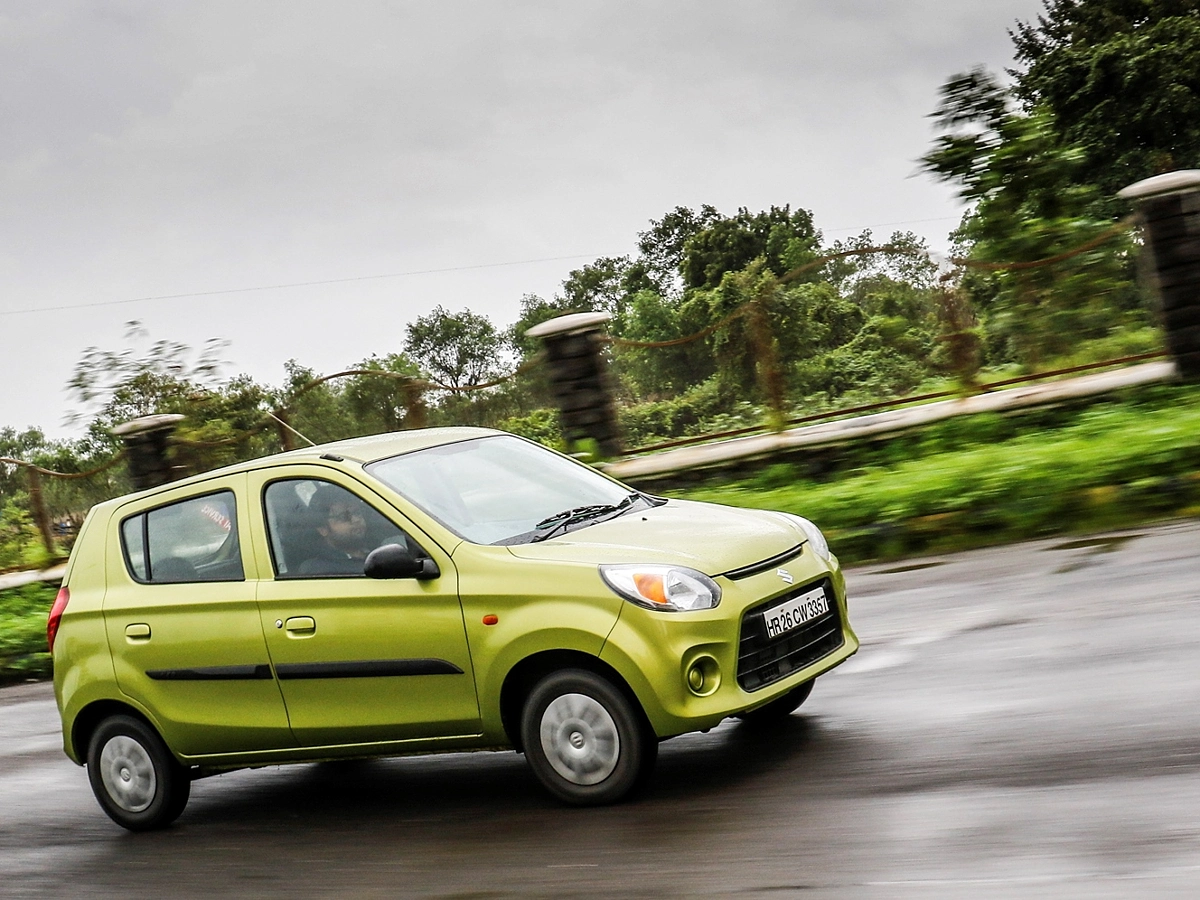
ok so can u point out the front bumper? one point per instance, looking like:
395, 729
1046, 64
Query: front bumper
656, 652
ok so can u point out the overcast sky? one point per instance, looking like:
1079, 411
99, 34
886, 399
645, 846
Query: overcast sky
152, 149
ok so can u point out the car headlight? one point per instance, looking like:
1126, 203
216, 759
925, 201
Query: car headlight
667, 588
819, 545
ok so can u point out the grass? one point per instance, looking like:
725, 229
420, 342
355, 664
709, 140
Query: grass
23, 613
970, 483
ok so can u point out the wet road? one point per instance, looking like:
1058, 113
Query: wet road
1020, 722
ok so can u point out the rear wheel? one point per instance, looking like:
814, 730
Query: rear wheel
586, 743
134, 777
780, 708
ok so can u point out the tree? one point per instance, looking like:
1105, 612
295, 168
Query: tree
782, 238
607, 285
381, 403
657, 372
661, 247
119, 385
1120, 79
460, 350
1032, 200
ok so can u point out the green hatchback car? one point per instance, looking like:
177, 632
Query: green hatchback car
428, 591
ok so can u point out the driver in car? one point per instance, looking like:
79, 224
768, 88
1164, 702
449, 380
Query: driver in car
343, 539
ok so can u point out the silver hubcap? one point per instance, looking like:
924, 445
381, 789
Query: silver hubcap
580, 739
128, 773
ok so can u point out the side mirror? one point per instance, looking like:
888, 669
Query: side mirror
397, 561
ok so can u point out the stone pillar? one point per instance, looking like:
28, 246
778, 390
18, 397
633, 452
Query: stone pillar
146, 441
579, 377
1169, 206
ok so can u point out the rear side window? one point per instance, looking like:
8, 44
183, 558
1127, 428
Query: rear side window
193, 540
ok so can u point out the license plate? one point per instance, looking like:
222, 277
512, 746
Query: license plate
796, 612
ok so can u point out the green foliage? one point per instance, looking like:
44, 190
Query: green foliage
1121, 81
1033, 201
318, 413
459, 350
662, 247
1113, 464
782, 238
142, 379
705, 408
23, 614
381, 403
20, 543
655, 372
540, 425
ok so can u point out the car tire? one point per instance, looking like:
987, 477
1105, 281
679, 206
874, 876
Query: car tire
780, 708
585, 741
135, 778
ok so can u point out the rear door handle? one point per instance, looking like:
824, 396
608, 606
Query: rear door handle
137, 633
301, 626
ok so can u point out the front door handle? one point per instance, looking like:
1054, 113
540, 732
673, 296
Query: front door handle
301, 626
137, 633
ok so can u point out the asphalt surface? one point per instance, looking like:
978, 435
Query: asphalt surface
1020, 722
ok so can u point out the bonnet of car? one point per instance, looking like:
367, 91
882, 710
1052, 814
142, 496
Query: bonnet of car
705, 536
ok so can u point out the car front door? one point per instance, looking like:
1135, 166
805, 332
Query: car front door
359, 660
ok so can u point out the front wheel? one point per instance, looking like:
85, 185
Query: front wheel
134, 777
779, 708
586, 743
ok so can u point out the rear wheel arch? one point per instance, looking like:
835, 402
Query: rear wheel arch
522, 678
90, 717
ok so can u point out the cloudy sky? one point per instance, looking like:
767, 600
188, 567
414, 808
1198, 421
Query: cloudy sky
422, 153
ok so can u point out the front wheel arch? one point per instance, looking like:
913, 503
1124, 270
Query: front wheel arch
522, 678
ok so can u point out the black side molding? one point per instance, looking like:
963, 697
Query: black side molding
213, 673
370, 668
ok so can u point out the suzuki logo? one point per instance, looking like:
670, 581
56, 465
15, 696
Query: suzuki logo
785, 575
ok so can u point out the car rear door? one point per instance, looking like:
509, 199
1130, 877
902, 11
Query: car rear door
183, 622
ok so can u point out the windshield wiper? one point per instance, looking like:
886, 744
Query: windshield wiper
560, 521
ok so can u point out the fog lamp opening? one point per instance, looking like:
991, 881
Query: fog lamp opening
703, 676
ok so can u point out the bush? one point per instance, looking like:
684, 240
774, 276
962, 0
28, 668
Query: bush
704, 409
23, 613
541, 425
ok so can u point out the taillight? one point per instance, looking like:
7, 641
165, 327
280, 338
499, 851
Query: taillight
56, 611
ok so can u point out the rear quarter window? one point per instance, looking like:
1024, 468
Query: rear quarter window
193, 540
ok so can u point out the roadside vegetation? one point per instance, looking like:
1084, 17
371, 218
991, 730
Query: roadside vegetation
990, 478
23, 613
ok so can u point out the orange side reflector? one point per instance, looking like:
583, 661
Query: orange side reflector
490, 619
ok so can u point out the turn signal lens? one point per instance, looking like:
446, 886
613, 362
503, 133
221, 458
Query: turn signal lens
667, 588
56, 611
650, 587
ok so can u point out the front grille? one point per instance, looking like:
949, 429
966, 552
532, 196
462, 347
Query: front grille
762, 661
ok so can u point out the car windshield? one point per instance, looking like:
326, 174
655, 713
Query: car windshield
503, 489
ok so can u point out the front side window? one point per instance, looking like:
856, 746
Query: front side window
189, 541
321, 530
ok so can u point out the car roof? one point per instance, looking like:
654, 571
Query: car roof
361, 450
